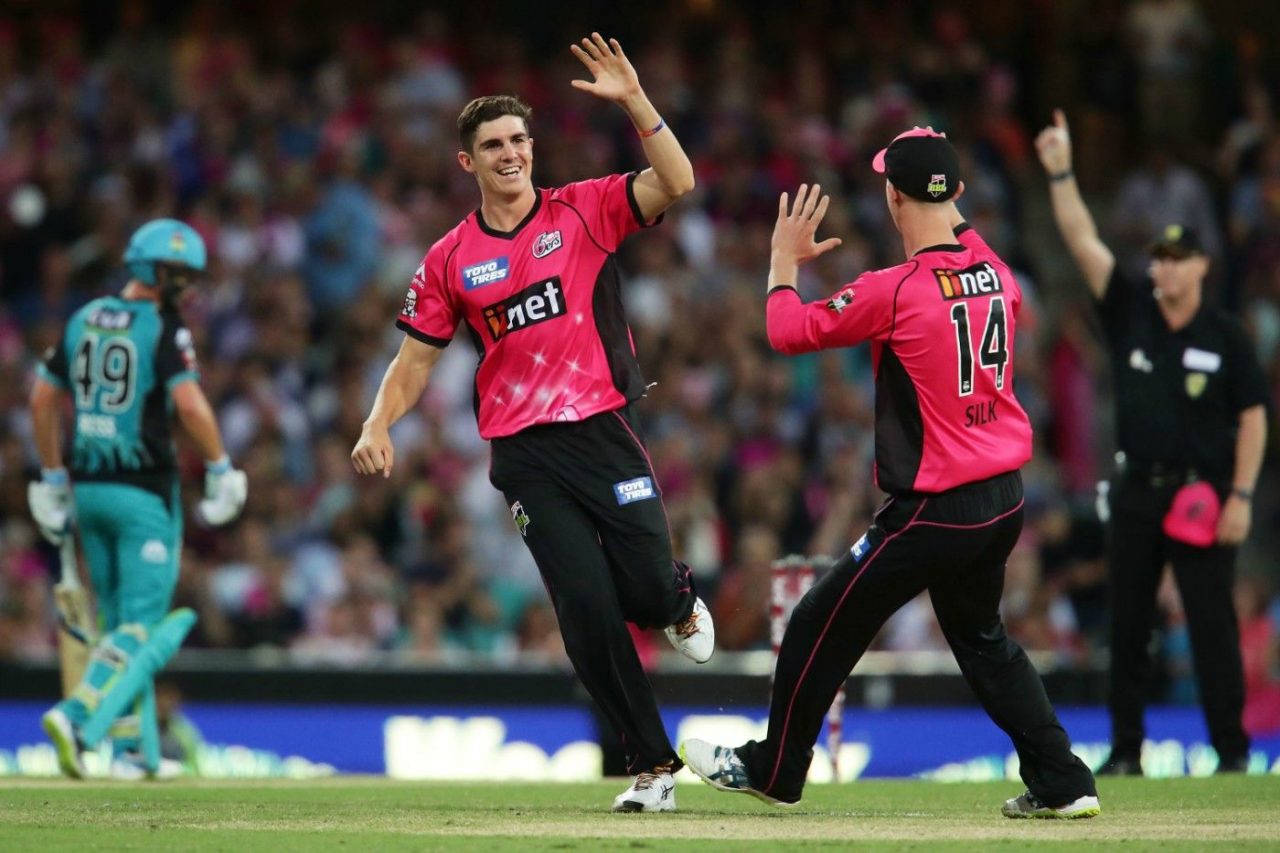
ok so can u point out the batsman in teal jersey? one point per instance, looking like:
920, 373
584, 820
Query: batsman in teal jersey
128, 365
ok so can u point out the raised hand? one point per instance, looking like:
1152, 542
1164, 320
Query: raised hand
615, 78
793, 233
1053, 144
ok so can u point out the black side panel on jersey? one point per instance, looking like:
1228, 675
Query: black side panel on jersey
615, 337
157, 437
157, 422
478, 343
899, 426
56, 361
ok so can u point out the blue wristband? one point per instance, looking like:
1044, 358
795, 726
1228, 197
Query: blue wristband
645, 134
54, 476
219, 466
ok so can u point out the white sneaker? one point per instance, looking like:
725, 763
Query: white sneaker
1029, 805
695, 636
721, 768
131, 768
649, 792
60, 730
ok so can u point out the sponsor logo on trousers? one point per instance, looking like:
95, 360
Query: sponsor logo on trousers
630, 491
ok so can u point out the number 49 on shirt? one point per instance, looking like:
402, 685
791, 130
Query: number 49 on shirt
993, 351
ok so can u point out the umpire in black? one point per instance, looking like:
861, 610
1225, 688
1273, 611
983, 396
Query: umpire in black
1191, 406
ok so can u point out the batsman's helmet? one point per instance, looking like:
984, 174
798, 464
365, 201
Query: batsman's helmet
163, 241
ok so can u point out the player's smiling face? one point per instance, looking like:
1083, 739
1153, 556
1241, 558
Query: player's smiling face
501, 158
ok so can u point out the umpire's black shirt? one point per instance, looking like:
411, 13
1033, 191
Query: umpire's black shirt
1178, 394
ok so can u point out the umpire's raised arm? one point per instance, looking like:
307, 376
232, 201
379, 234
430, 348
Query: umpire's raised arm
1093, 257
670, 174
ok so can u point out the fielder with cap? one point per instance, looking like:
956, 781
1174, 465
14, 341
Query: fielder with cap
950, 440
128, 365
1191, 428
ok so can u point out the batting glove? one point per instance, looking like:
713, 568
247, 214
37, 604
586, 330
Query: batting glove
225, 491
50, 502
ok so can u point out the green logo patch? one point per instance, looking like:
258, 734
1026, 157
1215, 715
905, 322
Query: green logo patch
519, 516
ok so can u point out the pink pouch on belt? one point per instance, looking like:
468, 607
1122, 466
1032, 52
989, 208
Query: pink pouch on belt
1193, 517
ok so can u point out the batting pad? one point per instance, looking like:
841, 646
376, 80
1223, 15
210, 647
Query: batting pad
166, 638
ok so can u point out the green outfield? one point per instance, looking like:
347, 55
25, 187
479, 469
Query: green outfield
372, 814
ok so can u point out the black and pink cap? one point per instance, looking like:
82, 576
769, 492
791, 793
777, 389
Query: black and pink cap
922, 164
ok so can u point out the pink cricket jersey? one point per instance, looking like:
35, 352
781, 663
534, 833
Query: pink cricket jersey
941, 328
541, 304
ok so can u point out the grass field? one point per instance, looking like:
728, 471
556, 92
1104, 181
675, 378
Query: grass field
373, 814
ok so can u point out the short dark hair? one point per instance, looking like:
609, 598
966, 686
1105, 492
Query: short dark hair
488, 108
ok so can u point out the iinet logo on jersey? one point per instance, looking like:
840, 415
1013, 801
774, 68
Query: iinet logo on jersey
977, 280
535, 304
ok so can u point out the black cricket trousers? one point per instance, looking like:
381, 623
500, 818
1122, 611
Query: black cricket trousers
1205, 576
586, 501
953, 544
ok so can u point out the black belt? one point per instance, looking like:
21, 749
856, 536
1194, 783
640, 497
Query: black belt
1158, 474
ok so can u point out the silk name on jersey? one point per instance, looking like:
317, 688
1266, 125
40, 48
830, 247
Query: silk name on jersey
978, 280
537, 303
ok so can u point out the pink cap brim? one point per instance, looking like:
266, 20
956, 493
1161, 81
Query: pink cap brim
877, 162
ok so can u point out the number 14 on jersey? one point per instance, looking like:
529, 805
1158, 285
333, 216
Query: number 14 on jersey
993, 351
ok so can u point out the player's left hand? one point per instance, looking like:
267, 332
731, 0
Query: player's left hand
1233, 523
225, 492
615, 78
793, 233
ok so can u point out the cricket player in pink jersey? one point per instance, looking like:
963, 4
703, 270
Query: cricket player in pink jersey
950, 439
533, 277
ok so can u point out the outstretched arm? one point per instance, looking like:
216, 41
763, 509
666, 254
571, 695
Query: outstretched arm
670, 174
402, 385
1093, 257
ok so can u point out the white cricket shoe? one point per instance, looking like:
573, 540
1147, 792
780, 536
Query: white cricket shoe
62, 732
649, 792
695, 636
721, 768
1029, 805
132, 768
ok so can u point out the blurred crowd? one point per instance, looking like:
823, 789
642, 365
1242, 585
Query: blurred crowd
314, 150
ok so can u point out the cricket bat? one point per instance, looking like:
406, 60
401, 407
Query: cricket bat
75, 618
